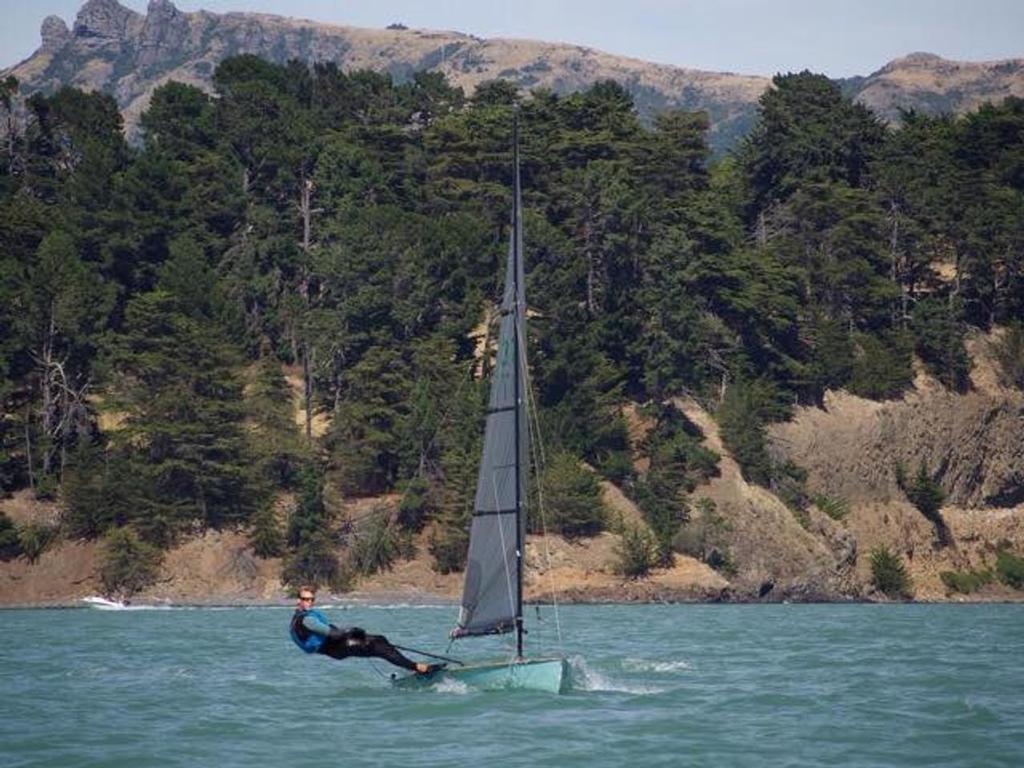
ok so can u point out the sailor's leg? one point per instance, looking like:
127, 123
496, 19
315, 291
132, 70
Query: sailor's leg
378, 645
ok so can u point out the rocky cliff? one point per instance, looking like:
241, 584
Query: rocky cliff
112, 48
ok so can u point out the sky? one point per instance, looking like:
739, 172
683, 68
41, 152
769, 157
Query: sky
839, 38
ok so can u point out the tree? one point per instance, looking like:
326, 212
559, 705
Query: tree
182, 398
889, 575
927, 495
572, 498
939, 333
128, 565
311, 559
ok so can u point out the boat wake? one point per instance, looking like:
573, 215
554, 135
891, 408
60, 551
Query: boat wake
586, 679
647, 665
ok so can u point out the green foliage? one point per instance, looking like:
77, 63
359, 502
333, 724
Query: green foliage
276, 441
449, 546
940, 342
416, 505
265, 534
1010, 354
617, 467
741, 419
354, 228
572, 498
835, 507
705, 537
927, 495
789, 483
10, 546
34, 539
378, 543
637, 553
184, 411
965, 582
311, 557
889, 575
1010, 569
664, 510
127, 564
882, 366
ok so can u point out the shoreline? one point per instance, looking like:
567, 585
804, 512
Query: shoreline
398, 601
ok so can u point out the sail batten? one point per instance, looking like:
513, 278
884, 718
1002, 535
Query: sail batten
491, 600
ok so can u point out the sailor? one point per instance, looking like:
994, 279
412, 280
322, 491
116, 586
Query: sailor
313, 633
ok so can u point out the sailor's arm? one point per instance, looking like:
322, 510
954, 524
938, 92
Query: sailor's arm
316, 626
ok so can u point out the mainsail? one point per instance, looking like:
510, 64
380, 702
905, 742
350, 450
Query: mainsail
492, 594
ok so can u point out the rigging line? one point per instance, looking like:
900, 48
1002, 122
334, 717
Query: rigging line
537, 446
430, 655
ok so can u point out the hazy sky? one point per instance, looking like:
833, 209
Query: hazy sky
836, 37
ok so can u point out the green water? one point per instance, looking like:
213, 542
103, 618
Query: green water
702, 685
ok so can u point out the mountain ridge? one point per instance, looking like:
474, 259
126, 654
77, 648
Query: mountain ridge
112, 48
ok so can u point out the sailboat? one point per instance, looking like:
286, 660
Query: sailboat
492, 598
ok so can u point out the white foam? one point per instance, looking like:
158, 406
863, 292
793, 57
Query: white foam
586, 679
450, 685
647, 665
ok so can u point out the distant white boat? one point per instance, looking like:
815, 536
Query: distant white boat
104, 604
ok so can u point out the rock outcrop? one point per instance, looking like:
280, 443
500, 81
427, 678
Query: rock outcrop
104, 21
128, 54
971, 444
54, 33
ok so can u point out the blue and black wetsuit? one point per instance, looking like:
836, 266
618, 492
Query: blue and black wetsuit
313, 633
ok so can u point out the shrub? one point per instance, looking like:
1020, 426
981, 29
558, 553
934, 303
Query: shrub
637, 553
415, 506
617, 467
888, 574
377, 544
704, 537
745, 409
313, 562
965, 582
835, 507
573, 497
127, 564
883, 367
34, 539
265, 534
1010, 569
788, 482
10, 546
1010, 354
928, 496
664, 510
449, 545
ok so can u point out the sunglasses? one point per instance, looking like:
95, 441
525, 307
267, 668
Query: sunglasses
310, 598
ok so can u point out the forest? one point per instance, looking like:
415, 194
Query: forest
348, 232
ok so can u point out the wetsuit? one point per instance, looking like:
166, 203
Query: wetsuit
312, 633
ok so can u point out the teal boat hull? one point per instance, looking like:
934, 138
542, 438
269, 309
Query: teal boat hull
550, 675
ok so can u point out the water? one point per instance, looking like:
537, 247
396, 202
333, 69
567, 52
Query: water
700, 685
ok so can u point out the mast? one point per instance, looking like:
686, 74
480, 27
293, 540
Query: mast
492, 596
516, 243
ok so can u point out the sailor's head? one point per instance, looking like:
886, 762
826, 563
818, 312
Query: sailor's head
307, 596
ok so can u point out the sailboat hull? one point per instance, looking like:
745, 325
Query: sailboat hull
550, 675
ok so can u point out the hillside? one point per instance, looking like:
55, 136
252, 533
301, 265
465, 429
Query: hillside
848, 448
114, 49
